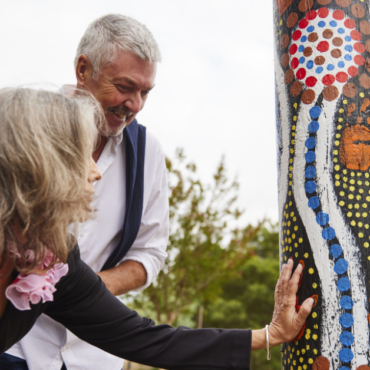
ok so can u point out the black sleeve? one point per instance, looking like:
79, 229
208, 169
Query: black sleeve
84, 306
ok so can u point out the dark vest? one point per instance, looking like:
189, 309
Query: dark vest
135, 138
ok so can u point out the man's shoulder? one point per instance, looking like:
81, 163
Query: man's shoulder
153, 147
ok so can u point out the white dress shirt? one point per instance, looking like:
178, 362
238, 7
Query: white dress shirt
48, 344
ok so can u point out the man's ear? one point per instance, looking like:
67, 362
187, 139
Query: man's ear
83, 71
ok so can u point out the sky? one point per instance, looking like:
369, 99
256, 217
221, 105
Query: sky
214, 92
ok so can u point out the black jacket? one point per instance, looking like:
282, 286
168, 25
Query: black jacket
84, 306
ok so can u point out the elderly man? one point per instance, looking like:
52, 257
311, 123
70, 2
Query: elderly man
126, 242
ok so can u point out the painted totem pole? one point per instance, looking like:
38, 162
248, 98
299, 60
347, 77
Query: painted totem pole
322, 64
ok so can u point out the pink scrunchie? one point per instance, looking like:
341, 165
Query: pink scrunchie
35, 287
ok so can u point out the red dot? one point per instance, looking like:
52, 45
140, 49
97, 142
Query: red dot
294, 63
359, 60
323, 12
311, 15
359, 47
293, 49
353, 71
296, 35
303, 23
350, 23
356, 35
301, 73
323, 46
338, 15
328, 80
311, 81
342, 77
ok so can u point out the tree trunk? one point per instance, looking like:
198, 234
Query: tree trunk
322, 109
200, 317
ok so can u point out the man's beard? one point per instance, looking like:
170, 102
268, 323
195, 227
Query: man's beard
124, 114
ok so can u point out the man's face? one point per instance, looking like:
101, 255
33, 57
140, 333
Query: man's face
122, 89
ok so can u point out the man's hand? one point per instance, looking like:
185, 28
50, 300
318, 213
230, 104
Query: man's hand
127, 276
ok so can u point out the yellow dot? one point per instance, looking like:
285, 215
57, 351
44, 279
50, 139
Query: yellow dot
305, 255
296, 254
292, 142
303, 351
310, 360
362, 95
340, 119
314, 285
359, 174
366, 226
360, 224
358, 214
364, 205
299, 367
294, 219
296, 245
359, 182
300, 240
352, 174
352, 181
290, 193
293, 236
368, 199
352, 188
291, 214
297, 351
290, 203
308, 331
337, 183
339, 127
344, 171
361, 235
353, 223
341, 110
357, 206
290, 175
337, 136
304, 366
316, 326
295, 118
350, 206
350, 196
295, 228
349, 214
345, 186
293, 127
314, 337
286, 206
314, 315
367, 175
315, 350
358, 197
345, 101
361, 191
289, 223
336, 153
285, 258
366, 245
289, 240
341, 193
301, 359
341, 203
291, 151
337, 143
345, 179
311, 271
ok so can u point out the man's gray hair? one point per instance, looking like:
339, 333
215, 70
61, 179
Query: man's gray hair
113, 32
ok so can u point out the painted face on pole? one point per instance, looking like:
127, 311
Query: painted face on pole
322, 65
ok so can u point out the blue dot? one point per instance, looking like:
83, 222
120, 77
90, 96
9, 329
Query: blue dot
328, 233
319, 70
346, 302
333, 23
302, 60
313, 126
310, 187
310, 156
309, 64
345, 355
313, 202
341, 64
344, 368
348, 38
347, 57
303, 38
330, 67
310, 29
341, 266
301, 48
321, 24
346, 320
315, 112
341, 30
348, 48
336, 250
311, 142
346, 338
343, 285
322, 218
310, 172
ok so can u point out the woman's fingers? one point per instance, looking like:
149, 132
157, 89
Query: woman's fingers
304, 312
278, 291
286, 276
294, 281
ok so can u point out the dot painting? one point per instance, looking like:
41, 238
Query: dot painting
325, 68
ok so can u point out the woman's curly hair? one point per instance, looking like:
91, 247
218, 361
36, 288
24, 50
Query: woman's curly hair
46, 143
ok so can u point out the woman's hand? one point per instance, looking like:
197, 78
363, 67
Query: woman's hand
286, 322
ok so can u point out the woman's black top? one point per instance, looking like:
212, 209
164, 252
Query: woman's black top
84, 306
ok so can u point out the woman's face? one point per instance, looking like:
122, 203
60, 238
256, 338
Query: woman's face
93, 175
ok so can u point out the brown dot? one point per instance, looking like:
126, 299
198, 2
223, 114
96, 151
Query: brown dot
292, 20
337, 41
330, 93
349, 90
365, 81
363, 367
312, 37
305, 5
367, 64
296, 88
336, 53
327, 34
324, 2
359, 120
289, 76
308, 96
343, 3
357, 10
365, 27
284, 42
367, 45
321, 363
285, 60
320, 60
307, 51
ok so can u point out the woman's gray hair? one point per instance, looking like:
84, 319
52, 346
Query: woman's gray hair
46, 143
111, 33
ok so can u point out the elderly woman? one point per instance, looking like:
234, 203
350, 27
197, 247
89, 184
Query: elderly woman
46, 175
